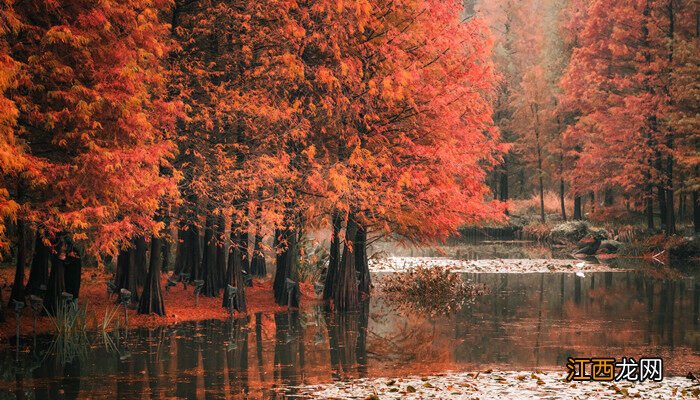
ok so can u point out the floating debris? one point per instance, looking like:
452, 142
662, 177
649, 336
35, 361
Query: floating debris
401, 264
498, 384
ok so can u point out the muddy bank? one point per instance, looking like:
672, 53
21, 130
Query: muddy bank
180, 304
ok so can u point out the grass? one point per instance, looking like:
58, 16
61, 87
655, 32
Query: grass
71, 324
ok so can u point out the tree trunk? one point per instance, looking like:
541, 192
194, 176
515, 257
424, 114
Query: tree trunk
234, 274
608, 197
696, 211
286, 264
345, 290
561, 199
221, 251
140, 259
577, 208
257, 264
39, 272
334, 256
245, 256
18, 285
165, 246
649, 209
670, 207
152, 297
73, 267
361, 263
57, 283
126, 272
209, 268
2, 307
541, 187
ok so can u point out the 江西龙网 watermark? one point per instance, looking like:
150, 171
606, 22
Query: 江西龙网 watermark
607, 369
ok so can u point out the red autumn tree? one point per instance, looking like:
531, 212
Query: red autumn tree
93, 118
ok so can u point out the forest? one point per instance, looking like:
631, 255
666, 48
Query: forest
221, 145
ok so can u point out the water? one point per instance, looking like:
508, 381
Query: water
526, 322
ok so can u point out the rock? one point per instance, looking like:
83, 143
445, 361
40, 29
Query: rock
687, 248
589, 245
567, 232
609, 246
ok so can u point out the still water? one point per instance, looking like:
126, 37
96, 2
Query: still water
527, 322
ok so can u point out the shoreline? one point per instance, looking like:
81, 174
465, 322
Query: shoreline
497, 384
179, 305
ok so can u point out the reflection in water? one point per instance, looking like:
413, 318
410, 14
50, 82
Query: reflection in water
527, 321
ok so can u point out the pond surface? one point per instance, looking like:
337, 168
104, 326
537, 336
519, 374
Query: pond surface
527, 321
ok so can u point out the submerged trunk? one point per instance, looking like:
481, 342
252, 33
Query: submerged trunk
126, 272
345, 288
18, 285
334, 257
152, 297
39, 272
361, 263
209, 270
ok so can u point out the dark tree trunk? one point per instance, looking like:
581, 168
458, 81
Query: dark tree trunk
18, 285
126, 272
209, 268
234, 274
670, 207
140, 260
39, 272
2, 307
541, 188
561, 199
286, 265
345, 290
245, 256
578, 215
152, 297
608, 197
179, 264
649, 210
257, 264
663, 212
57, 283
696, 211
73, 267
334, 256
188, 257
221, 251
361, 263
503, 181
166, 245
